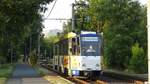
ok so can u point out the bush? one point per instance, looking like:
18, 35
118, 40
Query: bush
138, 61
2, 60
118, 52
6, 70
33, 58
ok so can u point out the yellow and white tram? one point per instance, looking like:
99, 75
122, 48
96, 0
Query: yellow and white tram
78, 55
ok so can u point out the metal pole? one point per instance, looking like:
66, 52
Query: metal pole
73, 17
148, 31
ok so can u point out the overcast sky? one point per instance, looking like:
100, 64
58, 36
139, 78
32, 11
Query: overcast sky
62, 9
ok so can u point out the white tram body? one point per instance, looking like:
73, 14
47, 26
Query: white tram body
78, 55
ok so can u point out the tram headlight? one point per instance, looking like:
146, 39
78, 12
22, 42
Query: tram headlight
75, 72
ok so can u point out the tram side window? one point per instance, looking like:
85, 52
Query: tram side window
55, 50
65, 47
61, 50
78, 46
75, 46
58, 50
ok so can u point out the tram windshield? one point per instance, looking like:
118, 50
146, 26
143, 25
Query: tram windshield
90, 46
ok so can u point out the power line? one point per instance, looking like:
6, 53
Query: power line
52, 9
56, 19
61, 19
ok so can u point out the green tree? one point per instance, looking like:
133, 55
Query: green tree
66, 27
33, 58
47, 44
121, 30
15, 20
138, 59
123, 23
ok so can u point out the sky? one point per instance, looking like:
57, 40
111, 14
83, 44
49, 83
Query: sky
143, 1
62, 9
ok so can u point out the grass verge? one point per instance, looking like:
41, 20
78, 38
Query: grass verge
41, 71
5, 72
3, 80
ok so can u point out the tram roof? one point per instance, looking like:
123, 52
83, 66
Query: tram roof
70, 35
88, 35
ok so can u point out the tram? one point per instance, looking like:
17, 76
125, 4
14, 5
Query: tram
78, 55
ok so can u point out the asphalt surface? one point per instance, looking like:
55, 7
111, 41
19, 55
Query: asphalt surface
25, 74
24, 70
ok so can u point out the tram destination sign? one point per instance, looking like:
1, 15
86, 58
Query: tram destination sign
89, 38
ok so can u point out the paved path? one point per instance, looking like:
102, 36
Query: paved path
24, 70
25, 74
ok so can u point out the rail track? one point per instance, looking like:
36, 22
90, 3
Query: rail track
103, 80
106, 78
112, 80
